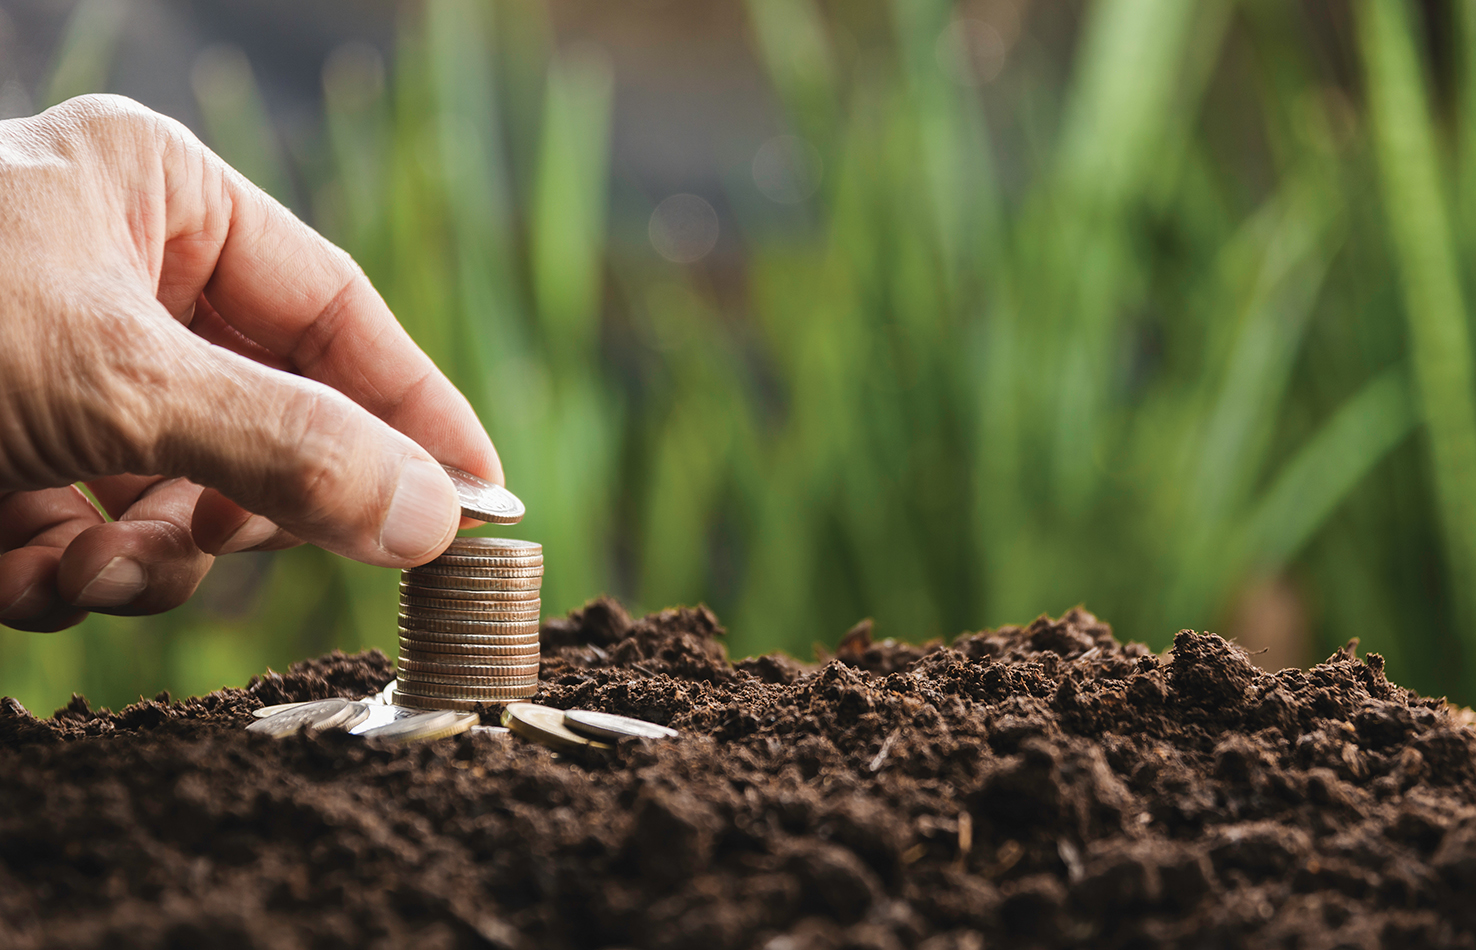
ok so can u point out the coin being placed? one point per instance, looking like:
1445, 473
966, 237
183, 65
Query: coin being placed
424, 725
483, 500
545, 726
602, 725
316, 716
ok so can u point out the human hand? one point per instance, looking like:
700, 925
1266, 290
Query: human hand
219, 375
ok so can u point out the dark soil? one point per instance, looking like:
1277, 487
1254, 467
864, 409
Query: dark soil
1027, 787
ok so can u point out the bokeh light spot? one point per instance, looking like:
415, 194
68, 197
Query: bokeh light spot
684, 228
971, 52
787, 169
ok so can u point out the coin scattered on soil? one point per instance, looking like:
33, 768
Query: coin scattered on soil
315, 716
602, 725
425, 725
545, 725
269, 711
483, 500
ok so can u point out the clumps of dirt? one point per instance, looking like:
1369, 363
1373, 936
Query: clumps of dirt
1040, 786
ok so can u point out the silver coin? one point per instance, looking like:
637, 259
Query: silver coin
502, 635
483, 500
498, 692
524, 646
489, 547
424, 725
498, 676
425, 699
475, 566
465, 611
380, 715
492, 621
432, 651
496, 732
266, 712
601, 725
453, 664
316, 716
545, 725
504, 580
434, 598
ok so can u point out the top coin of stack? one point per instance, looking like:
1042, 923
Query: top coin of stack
469, 625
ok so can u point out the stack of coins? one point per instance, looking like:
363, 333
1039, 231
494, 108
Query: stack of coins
469, 625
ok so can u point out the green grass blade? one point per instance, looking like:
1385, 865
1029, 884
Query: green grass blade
85, 58
1309, 488
569, 205
1434, 308
236, 122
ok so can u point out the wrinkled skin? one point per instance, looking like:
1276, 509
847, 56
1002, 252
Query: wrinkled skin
219, 376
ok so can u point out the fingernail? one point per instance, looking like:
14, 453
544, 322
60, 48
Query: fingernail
120, 580
255, 530
9, 612
421, 513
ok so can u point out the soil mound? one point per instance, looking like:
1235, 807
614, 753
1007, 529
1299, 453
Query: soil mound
1040, 786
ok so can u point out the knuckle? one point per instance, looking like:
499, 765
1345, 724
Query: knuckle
319, 453
104, 114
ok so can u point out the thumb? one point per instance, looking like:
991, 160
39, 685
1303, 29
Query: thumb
309, 458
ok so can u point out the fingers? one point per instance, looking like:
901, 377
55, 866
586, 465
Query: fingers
282, 286
301, 455
65, 560
144, 563
220, 526
35, 528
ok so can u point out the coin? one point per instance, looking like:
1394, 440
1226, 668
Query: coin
501, 634
496, 732
491, 621
476, 600
520, 689
436, 702
498, 645
489, 547
434, 652
602, 725
545, 725
503, 580
457, 665
483, 500
322, 714
380, 715
504, 676
268, 711
469, 610
425, 725
464, 565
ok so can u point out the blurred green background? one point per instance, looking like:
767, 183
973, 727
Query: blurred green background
1151, 306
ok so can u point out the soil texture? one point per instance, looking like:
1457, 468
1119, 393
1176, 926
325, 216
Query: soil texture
1040, 786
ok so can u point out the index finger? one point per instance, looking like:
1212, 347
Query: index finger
287, 288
